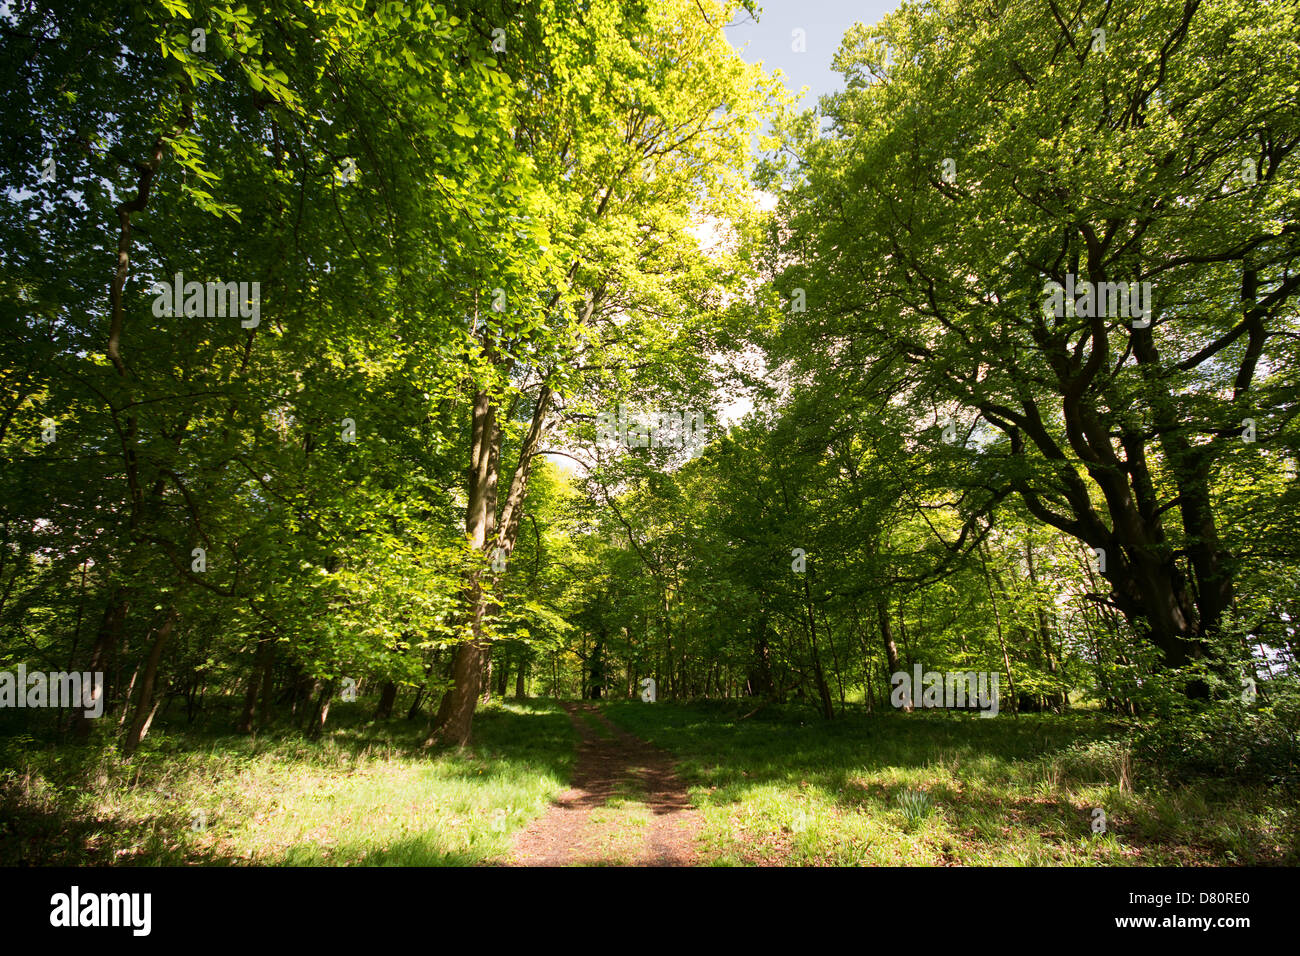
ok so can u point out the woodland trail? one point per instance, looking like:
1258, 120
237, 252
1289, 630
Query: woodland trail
626, 806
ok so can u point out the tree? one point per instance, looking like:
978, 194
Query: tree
1005, 150
631, 119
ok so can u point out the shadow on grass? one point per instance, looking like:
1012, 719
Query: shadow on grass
717, 746
1010, 788
64, 804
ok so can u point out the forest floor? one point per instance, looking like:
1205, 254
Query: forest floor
631, 783
365, 794
625, 805
778, 786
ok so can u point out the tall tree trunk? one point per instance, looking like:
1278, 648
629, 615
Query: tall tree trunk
111, 628
414, 710
387, 697
598, 667
835, 659
997, 620
256, 684
249, 709
128, 697
503, 676
456, 710
887, 638
902, 629
146, 705
106, 639
322, 710
1057, 699
760, 671
819, 676
268, 684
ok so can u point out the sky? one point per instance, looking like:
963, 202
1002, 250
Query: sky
824, 23
773, 40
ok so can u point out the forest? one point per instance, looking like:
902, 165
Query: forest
532, 432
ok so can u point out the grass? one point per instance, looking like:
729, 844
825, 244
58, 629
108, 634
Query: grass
594, 725
915, 804
365, 794
943, 789
621, 824
778, 787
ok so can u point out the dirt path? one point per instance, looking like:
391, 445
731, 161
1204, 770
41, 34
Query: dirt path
626, 806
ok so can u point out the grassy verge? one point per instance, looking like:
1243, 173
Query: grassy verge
944, 789
364, 794
600, 730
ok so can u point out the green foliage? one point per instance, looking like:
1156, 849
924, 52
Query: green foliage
465, 250
1232, 741
915, 804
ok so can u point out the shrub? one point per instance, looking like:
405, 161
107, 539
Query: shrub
1228, 739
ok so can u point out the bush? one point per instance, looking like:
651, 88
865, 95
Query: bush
1228, 739
1097, 762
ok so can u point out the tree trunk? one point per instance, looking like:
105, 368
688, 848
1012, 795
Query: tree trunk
503, 676
106, 638
819, 676
760, 671
456, 710
256, 683
598, 667
997, 620
414, 710
268, 684
387, 697
128, 697
245, 724
322, 710
891, 649
146, 706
